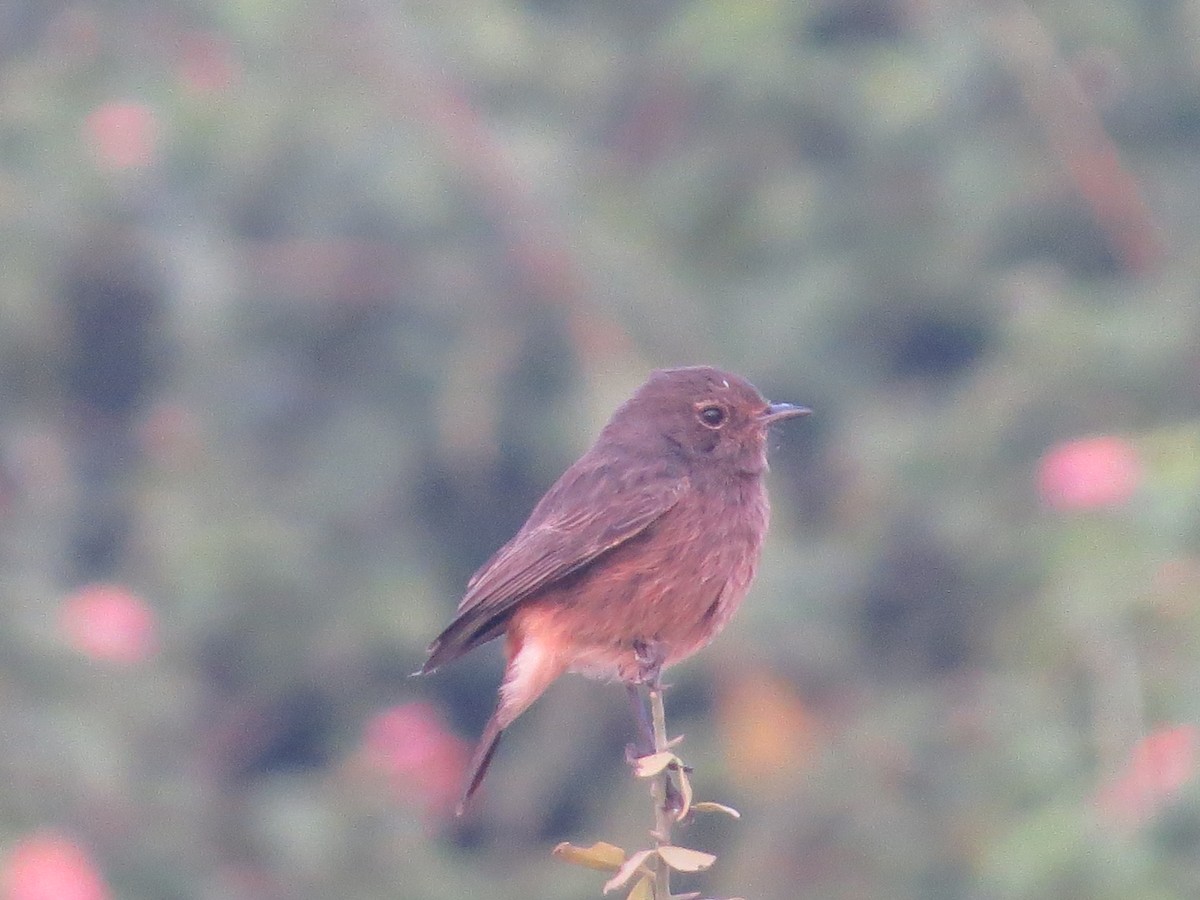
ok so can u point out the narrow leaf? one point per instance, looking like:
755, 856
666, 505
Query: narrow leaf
601, 856
709, 806
649, 766
643, 890
628, 869
681, 859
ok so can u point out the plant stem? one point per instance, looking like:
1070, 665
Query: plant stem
659, 792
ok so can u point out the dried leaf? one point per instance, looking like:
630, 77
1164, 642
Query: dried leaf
681, 859
709, 806
649, 766
628, 869
601, 856
643, 890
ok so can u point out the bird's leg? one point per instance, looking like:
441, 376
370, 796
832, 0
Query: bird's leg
650, 656
644, 745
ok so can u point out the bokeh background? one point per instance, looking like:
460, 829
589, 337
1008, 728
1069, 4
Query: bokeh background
303, 304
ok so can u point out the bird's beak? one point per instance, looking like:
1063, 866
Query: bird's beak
777, 412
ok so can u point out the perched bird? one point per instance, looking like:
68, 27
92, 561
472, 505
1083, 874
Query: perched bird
636, 557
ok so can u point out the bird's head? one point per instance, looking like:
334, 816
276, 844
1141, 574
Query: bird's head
708, 416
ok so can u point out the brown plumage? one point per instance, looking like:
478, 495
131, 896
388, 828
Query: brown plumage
648, 542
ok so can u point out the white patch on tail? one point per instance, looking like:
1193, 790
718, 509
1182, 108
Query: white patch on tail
529, 673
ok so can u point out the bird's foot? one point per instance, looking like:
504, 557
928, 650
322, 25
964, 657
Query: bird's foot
650, 657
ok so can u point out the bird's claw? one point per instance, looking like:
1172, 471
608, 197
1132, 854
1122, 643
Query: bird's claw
650, 657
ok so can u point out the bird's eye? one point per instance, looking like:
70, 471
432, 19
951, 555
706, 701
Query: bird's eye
712, 416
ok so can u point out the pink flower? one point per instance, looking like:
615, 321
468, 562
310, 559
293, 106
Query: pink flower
109, 623
207, 63
49, 866
122, 135
422, 758
1159, 766
1089, 473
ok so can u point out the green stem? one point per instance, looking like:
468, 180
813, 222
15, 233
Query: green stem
659, 792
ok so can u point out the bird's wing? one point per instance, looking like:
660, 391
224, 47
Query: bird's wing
606, 509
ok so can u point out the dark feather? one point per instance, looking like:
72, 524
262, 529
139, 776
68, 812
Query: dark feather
561, 536
481, 760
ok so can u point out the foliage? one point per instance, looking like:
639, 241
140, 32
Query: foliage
648, 872
304, 304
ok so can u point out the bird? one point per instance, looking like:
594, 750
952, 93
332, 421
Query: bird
636, 558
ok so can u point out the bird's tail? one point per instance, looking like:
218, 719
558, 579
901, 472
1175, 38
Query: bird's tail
481, 760
532, 666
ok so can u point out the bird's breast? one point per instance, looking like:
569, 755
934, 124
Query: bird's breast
676, 584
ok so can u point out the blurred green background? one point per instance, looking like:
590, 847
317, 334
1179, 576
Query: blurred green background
303, 304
